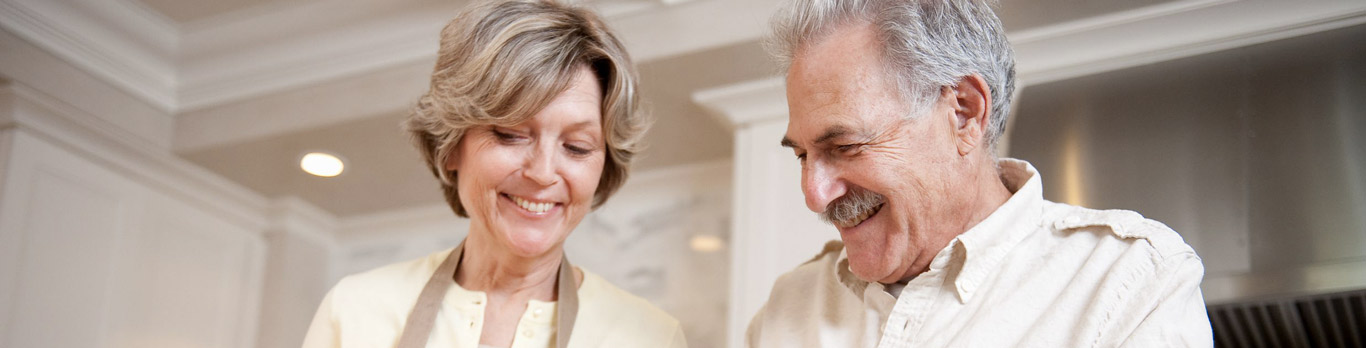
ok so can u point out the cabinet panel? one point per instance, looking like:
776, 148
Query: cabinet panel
198, 279
65, 220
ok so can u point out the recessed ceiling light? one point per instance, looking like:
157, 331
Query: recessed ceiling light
706, 243
321, 164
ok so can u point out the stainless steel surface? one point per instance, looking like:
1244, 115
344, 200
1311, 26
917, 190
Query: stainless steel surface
1327, 320
1256, 155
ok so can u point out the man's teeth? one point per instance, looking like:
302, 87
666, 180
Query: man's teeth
532, 206
861, 216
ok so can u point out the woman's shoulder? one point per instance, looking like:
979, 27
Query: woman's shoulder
396, 284
623, 318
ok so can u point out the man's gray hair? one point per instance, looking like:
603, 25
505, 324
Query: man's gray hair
927, 44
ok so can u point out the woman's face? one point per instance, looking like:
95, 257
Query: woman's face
528, 185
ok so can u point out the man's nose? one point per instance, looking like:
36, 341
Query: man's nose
821, 185
540, 166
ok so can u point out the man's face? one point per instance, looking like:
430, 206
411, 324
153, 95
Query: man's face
870, 165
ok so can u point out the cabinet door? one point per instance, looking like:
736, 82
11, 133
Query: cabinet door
194, 282
92, 257
64, 222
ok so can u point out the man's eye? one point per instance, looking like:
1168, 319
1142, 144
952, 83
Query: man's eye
848, 149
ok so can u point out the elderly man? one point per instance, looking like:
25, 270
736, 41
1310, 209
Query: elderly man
895, 108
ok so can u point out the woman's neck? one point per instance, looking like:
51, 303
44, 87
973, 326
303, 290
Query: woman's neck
489, 267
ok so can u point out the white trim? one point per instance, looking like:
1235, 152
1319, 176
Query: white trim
252, 289
740, 104
105, 52
295, 216
145, 24
271, 48
278, 47
1109, 20
254, 73
60, 124
1192, 31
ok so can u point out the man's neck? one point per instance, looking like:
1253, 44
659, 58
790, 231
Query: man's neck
982, 194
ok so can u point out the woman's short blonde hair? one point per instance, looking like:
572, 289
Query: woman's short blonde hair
501, 62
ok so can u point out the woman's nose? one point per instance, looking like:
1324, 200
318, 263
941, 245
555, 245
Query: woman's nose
540, 166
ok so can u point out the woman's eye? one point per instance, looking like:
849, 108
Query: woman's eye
507, 137
578, 150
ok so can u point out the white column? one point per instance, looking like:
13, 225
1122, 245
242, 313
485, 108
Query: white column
772, 231
300, 268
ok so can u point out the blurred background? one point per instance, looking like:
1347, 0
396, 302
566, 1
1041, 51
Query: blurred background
151, 193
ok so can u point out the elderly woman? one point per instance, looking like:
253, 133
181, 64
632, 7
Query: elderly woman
530, 123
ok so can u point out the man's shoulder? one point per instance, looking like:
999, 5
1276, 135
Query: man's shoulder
1124, 225
815, 282
821, 267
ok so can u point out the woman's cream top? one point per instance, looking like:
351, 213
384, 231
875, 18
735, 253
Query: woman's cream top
369, 310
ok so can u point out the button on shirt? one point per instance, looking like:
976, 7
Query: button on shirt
1034, 273
535, 329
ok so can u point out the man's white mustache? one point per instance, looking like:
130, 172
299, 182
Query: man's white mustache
852, 206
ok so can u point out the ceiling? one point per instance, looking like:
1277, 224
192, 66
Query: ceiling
190, 11
253, 84
385, 173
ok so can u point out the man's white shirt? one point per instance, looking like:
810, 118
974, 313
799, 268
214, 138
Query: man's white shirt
1032, 274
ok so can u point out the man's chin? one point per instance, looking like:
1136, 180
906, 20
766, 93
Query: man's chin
872, 273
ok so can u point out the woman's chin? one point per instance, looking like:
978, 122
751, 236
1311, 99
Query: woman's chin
531, 242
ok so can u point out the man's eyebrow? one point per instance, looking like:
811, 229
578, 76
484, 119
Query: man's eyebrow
830, 133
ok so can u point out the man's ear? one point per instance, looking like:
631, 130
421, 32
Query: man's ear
971, 102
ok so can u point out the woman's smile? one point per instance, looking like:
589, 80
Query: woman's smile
534, 207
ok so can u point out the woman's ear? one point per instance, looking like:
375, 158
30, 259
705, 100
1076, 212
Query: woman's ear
452, 160
972, 115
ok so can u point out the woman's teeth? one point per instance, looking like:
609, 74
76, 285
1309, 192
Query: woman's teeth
530, 206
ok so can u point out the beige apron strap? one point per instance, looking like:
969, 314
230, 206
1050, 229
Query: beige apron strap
420, 321
567, 307
418, 327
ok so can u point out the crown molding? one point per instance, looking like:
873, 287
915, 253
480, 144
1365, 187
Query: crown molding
272, 48
1109, 20
118, 43
738, 105
1165, 33
296, 217
302, 60
69, 127
1088, 46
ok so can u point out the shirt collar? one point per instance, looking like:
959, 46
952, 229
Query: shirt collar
987, 243
981, 248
